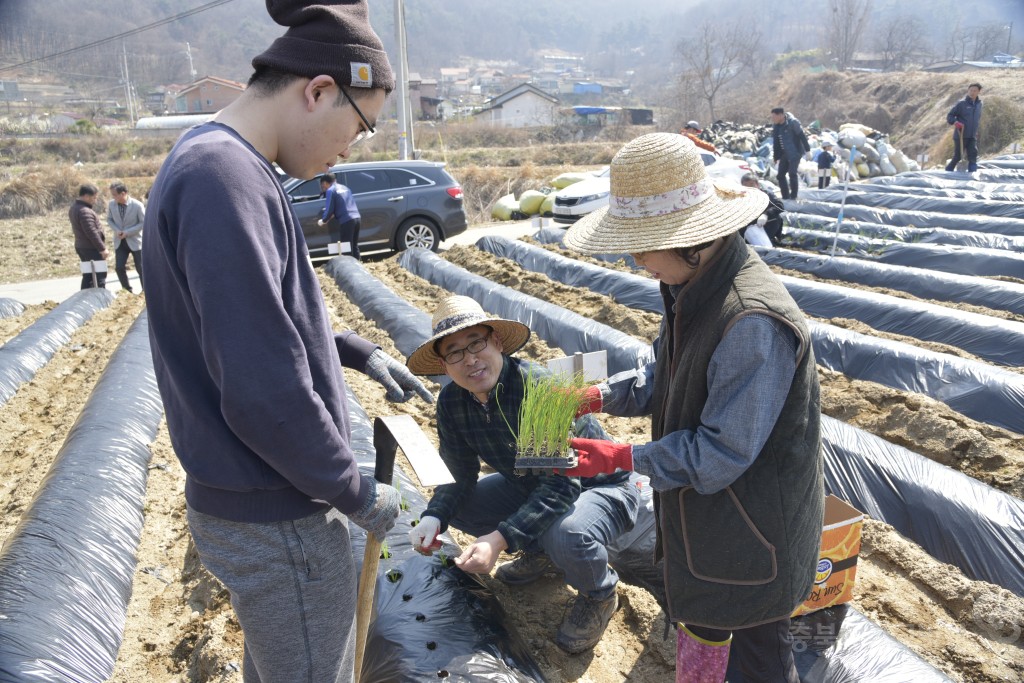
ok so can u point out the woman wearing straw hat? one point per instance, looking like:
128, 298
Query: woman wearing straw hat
554, 521
735, 459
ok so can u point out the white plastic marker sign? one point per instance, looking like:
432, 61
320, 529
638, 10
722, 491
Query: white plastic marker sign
594, 365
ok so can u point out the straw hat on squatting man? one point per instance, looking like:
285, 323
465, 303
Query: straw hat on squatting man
458, 313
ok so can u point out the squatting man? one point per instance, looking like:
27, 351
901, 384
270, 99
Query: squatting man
553, 521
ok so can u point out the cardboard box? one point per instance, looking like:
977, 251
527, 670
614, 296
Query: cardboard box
837, 561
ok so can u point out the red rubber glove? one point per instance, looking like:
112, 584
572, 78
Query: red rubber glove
600, 457
959, 125
590, 401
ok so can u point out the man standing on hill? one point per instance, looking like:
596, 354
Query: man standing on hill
789, 144
125, 216
248, 366
965, 117
88, 235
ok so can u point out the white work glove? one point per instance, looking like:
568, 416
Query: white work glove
320, 222
762, 219
400, 384
423, 536
379, 512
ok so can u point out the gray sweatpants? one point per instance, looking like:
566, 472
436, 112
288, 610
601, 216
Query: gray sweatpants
293, 588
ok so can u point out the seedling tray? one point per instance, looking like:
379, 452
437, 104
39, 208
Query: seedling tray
545, 464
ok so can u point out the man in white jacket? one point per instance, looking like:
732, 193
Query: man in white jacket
125, 216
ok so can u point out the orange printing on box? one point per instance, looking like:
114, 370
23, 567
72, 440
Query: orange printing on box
837, 561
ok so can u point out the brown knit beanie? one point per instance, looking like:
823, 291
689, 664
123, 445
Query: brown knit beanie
333, 38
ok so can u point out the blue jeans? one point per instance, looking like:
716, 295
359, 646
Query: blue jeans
576, 541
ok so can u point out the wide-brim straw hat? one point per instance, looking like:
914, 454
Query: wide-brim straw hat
662, 198
459, 313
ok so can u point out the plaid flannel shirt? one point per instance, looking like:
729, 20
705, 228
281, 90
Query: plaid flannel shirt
470, 432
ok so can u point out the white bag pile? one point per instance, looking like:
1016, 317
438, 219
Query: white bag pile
873, 155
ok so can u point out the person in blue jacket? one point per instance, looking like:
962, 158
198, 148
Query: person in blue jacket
340, 212
825, 160
965, 117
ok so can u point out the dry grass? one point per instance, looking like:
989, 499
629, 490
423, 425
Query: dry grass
40, 178
40, 190
484, 185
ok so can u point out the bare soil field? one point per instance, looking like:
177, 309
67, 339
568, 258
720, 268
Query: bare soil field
180, 626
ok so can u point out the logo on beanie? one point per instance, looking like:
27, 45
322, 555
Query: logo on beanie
362, 75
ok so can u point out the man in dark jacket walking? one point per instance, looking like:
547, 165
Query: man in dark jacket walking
789, 144
965, 117
88, 235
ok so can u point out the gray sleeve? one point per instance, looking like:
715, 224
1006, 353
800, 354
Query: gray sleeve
749, 377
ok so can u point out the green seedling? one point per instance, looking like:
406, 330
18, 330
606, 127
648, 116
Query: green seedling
385, 551
546, 417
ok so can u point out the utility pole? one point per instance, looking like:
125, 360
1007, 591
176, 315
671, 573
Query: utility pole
191, 67
129, 100
1009, 32
405, 138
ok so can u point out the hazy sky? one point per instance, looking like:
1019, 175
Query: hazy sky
439, 31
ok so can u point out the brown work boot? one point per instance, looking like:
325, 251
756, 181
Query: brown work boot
526, 568
585, 623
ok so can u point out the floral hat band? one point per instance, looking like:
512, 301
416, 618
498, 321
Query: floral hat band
664, 203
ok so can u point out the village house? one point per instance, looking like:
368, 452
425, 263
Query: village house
522, 106
207, 95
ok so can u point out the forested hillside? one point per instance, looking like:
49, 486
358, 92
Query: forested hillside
613, 37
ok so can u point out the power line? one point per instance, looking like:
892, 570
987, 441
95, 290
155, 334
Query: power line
119, 36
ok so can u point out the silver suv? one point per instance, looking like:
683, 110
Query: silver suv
402, 204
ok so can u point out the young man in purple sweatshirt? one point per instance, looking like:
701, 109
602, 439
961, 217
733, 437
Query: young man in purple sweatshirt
248, 366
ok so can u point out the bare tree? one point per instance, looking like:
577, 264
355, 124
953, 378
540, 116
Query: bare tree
846, 24
959, 37
986, 40
977, 42
899, 40
715, 56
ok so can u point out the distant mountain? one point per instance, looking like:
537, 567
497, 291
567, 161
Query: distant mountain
612, 36
224, 38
